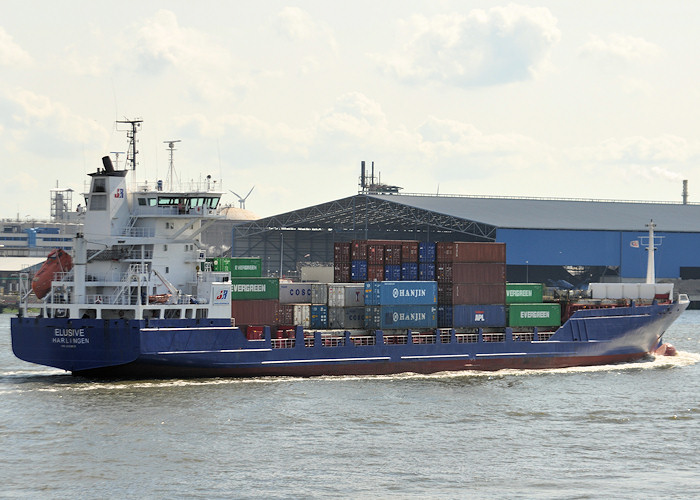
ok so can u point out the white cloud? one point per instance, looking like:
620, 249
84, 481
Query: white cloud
501, 45
619, 49
12, 54
299, 26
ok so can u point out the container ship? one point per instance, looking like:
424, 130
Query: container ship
139, 299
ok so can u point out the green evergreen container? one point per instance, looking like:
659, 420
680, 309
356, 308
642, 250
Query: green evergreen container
246, 267
528, 293
534, 314
220, 264
255, 288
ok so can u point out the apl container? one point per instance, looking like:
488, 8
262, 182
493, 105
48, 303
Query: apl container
346, 317
319, 316
472, 316
346, 294
397, 317
358, 271
254, 288
400, 293
409, 271
295, 293
250, 267
523, 293
547, 314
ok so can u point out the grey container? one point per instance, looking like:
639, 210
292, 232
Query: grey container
346, 294
346, 317
319, 293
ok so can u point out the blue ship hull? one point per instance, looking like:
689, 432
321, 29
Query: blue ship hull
212, 348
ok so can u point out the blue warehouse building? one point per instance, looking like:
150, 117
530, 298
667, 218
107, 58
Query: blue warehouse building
549, 240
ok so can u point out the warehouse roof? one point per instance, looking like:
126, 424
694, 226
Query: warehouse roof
531, 213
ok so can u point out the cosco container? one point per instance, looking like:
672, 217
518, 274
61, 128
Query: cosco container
397, 317
523, 293
548, 314
461, 251
392, 272
409, 271
426, 252
254, 288
250, 267
358, 270
319, 316
400, 293
426, 271
470, 272
295, 293
472, 316
346, 317
319, 293
254, 312
346, 294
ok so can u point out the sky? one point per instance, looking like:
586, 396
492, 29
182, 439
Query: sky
593, 100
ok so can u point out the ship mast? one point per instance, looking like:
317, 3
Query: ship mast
131, 134
651, 273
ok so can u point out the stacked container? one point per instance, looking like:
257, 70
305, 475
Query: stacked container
255, 301
346, 305
375, 260
526, 309
400, 304
341, 262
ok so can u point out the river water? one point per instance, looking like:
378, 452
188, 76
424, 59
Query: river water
622, 431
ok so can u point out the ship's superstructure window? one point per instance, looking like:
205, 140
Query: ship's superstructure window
98, 202
99, 185
142, 202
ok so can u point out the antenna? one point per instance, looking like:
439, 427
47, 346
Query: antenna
131, 135
241, 201
171, 178
116, 157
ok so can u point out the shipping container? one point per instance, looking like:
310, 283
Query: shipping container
548, 314
392, 272
319, 316
462, 251
346, 317
285, 316
341, 272
400, 293
523, 292
409, 271
471, 316
255, 312
400, 316
392, 254
358, 271
426, 252
294, 315
470, 272
346, 294
409, 251
295, 293
319, 293
358, 250
426, 271
255, 333
471, 293
375, 254
375, 272
242, 267
254, 288
341, 251
220, 264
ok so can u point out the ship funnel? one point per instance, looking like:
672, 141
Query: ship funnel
685, 192
107, 162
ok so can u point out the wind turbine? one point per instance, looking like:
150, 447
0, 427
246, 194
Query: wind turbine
241, 201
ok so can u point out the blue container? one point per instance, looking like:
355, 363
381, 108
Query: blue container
319, 316
399, 317
380, 293
426, 252
392, 272
472, 316
358, 270
426, 272
409, 271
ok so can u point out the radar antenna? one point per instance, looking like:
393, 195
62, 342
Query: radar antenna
131, 135
241, 201
171, 179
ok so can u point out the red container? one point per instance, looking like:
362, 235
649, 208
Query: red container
375, 254
392, 254
461, 251
471, 293
375, 272
254, 333
255, 312
358, 250
341, 251
341, 272
470, 272
285, 315
409, 251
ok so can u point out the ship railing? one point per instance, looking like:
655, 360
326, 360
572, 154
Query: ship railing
283, 343
111, 300
523, 336
308, 341
543, 336
137, 254
494, 337
467, 338
424, 338
364, 340
332, 340
139, 232
445, 336
400, 339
